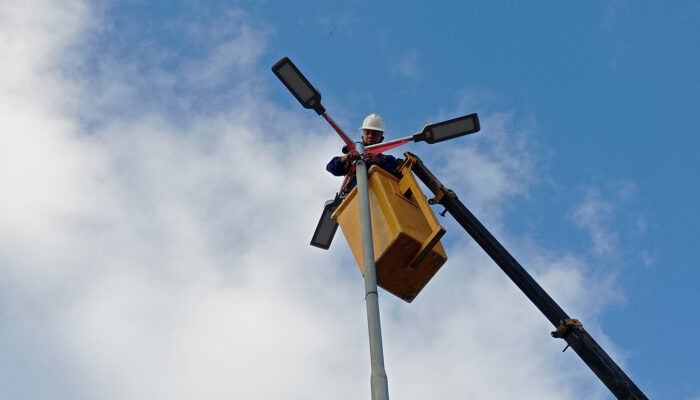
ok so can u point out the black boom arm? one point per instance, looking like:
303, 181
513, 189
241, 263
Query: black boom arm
570, 330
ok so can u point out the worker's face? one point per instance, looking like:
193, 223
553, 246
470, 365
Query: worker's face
370, 136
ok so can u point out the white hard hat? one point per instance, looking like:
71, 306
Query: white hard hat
374, 122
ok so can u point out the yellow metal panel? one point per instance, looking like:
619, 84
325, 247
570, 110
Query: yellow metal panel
405, 230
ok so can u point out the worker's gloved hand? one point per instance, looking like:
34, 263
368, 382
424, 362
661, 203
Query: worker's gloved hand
371, 158
352, 156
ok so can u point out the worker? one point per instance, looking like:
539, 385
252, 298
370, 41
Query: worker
372, 133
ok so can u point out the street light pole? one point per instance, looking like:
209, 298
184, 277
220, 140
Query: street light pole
378, 379
310, 98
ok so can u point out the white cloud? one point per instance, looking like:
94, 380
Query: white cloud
600, 215
407, 66
641, 223
593, 215
147, 253
492, 166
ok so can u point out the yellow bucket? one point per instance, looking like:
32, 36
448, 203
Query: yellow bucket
406, 232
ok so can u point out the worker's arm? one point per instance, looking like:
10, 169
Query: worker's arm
386, 162
340, 165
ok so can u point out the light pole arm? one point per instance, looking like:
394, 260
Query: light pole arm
381, 147
340, 132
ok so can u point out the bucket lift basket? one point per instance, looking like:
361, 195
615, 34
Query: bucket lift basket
406, 232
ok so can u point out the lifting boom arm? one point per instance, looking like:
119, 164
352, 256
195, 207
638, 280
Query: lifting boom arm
568, 329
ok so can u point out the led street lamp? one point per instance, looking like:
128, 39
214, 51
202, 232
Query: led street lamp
297, 83
449, 129
325, 230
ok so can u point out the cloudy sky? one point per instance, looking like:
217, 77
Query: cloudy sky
159, 186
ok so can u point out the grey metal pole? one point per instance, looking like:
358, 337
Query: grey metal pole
378, 379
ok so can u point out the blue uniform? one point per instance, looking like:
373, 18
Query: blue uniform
338, 168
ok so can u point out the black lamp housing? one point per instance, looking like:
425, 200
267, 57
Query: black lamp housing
449, 129
326, 227
297, 83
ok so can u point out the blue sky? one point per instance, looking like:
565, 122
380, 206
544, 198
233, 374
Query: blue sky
171, 183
